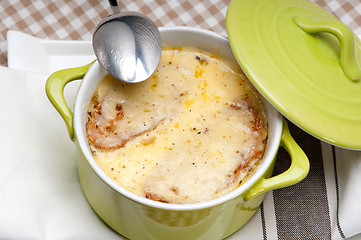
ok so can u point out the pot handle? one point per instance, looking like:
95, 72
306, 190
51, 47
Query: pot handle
296, 172
55, 91
348, 61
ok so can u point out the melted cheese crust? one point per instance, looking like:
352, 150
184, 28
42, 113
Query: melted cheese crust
192, 132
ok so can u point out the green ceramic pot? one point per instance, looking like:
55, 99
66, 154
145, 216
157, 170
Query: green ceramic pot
136, 217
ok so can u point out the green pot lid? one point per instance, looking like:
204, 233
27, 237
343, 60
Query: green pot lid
304, 61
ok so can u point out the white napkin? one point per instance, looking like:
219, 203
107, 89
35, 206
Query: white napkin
40, 195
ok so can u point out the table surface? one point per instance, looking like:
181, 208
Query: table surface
76, 20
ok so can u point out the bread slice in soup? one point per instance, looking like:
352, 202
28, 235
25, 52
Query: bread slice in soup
194, 131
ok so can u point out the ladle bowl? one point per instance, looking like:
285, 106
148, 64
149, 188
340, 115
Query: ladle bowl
128, 45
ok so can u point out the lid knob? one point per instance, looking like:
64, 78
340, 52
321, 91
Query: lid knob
344, 35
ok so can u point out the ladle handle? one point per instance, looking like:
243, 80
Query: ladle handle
114, 6
55, 91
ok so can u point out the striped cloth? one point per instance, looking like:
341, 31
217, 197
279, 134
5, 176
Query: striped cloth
323, 206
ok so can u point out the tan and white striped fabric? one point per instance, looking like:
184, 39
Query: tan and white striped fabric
326, 205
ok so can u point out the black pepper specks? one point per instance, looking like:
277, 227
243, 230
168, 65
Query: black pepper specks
202, 61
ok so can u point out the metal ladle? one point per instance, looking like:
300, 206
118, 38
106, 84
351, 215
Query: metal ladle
127, 44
